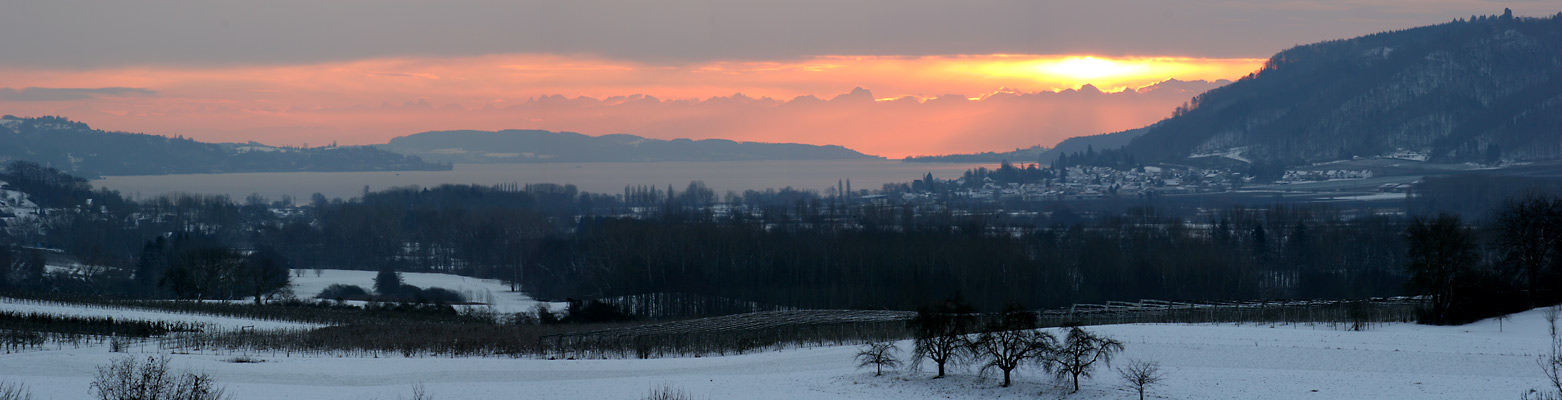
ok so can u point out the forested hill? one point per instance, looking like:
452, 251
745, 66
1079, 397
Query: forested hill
1039, 154
532, 146
1468, 90
75, 148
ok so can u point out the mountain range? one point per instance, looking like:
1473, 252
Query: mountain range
535, 146
78, 149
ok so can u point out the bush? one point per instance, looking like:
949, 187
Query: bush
127, 379
439, 295
14, 391
595, 311
668, 393
343, 292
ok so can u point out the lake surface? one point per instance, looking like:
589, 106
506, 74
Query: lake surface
591, 177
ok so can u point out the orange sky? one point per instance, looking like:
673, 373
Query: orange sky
370, 101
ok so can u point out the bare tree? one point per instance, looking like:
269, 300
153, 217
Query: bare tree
879, 355
1140, 375
1441, 251
1011, 341
1550, 364
940, 333
1079, 354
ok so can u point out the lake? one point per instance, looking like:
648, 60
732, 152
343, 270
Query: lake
592, 177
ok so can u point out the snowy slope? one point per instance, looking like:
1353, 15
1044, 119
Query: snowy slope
1398, 361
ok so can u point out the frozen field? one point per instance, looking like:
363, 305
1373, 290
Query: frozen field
46, 307
1397, 361
486, 291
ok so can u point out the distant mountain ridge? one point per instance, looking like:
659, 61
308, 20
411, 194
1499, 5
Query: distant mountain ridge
540, 146
1466, 91
76, 148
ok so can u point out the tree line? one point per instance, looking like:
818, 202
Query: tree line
776, 249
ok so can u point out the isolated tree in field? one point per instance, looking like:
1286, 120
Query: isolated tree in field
879, 355
1079, 354
1441, 251
940, 332
1010, 341
1140, 375
387, 283
264, 271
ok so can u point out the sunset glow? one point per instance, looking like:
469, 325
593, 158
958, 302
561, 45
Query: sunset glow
1110, 74
369, 101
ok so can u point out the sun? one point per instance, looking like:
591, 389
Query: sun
1090, 68
1076, 70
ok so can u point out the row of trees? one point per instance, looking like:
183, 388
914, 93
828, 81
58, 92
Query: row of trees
1512, 263
774, 248
949, 334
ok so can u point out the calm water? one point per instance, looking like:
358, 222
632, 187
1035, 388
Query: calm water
591, 177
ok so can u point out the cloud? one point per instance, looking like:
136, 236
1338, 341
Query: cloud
858, 119
68, 94
70, 34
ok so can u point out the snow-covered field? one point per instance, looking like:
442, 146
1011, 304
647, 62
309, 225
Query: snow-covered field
1396, 361
487, 291
64, 309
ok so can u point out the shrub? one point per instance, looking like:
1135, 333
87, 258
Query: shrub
668, 393
440, 295
127, 379
343, 292
14, 391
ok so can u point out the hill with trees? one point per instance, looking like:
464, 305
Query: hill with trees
1044, 155
76, 148
1479, 90
538, 146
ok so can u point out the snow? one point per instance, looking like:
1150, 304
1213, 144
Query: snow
1375, 196
131, 313
1232, 153
1394, 361
490, 292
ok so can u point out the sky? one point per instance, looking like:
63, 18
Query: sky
886, 77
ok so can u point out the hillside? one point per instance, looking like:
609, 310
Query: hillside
1043, 155
1465, 91
534, 146
78, 149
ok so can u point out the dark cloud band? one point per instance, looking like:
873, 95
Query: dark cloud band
68, 94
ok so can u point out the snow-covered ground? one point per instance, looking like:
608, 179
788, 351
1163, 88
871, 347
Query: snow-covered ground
1376, 196
128, 313
487, 291
1396, 361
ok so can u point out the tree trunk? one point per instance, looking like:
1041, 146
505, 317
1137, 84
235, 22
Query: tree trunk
1076, 384
940, 370
1005, 378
